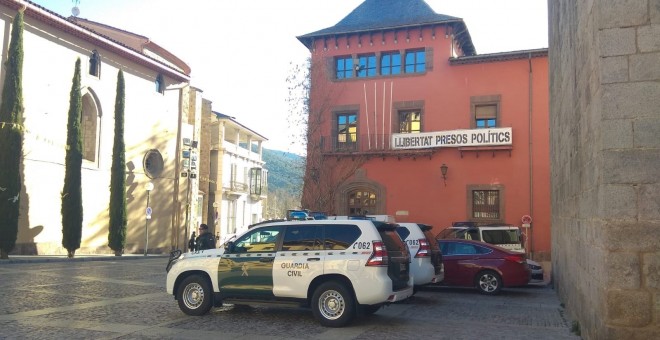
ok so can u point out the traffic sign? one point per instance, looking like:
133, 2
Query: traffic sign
149, 211
526, 219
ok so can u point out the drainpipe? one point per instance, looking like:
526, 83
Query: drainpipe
531, 153
174, 238
175, 241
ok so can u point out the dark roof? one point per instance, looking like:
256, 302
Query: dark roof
377, 15
500, 56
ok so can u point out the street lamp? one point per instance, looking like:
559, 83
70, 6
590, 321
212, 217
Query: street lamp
443, 170
149, 186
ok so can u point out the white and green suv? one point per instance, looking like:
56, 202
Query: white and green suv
337, 268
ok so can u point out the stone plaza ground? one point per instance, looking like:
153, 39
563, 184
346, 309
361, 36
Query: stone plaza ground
124, 298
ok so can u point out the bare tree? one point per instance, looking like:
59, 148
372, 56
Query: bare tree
311, 98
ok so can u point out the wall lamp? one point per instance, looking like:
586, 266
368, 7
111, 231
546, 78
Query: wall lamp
443, 170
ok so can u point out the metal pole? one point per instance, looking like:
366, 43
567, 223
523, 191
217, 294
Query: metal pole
146, 227
188, 214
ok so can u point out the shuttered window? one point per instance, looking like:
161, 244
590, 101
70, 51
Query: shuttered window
485, 111
485, 116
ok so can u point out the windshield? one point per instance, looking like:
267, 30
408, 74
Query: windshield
508, 236
451, 233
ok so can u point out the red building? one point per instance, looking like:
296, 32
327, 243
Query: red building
405, 119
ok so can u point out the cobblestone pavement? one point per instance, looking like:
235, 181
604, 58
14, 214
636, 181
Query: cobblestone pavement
126, 299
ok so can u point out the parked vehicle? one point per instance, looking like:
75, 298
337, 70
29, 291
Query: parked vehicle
381, 218
337, 268
297, 215
318, 215
426, 266
481, 265
503, 235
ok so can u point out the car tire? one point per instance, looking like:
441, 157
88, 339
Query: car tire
333, 304
194, 295
488, 282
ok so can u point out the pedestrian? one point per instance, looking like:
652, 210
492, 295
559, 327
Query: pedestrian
205, 240
191, 242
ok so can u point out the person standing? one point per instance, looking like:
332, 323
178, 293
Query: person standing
205, 240
191, 242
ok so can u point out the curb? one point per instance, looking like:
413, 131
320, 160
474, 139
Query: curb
54, 258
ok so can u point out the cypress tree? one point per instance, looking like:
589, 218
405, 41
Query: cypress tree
11, 140
72, 209
118, 219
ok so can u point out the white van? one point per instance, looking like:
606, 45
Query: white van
506, 236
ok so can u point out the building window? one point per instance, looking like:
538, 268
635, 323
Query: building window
95, 64
255, 181
153, 164
486, 203
233, 178
390, 63
346, 131
366, 66
231, 217
485, 111
485, 116
344, 67
415, 61
160, 84
361, 202
410, 121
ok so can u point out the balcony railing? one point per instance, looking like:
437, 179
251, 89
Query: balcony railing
358, 144
235, 186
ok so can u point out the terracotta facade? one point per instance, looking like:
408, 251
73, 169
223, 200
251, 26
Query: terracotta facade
378, 141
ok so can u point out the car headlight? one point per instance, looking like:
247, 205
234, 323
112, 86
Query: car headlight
174, 257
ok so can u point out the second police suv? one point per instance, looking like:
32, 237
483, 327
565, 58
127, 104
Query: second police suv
337, 268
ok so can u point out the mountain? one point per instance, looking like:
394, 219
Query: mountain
285, 171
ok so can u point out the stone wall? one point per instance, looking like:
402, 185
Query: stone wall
604, 67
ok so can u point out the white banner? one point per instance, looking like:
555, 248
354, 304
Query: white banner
452, 138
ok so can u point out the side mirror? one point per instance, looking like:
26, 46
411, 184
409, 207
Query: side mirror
229, 247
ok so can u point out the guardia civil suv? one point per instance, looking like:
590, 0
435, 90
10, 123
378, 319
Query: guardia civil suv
426, 266
336, 268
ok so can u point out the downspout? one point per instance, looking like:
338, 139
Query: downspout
531, 154
176, 217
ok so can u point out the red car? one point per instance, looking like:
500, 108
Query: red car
482, 265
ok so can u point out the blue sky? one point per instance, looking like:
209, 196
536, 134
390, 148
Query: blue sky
217, 39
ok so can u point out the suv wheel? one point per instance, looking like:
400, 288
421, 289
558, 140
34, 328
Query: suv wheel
194, 295
333, 304
488, 282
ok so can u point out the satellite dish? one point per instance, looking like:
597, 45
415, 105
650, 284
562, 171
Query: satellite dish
75, 11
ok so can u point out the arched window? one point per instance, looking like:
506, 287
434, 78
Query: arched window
160, 84
95, 64
90, 126
362, 202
